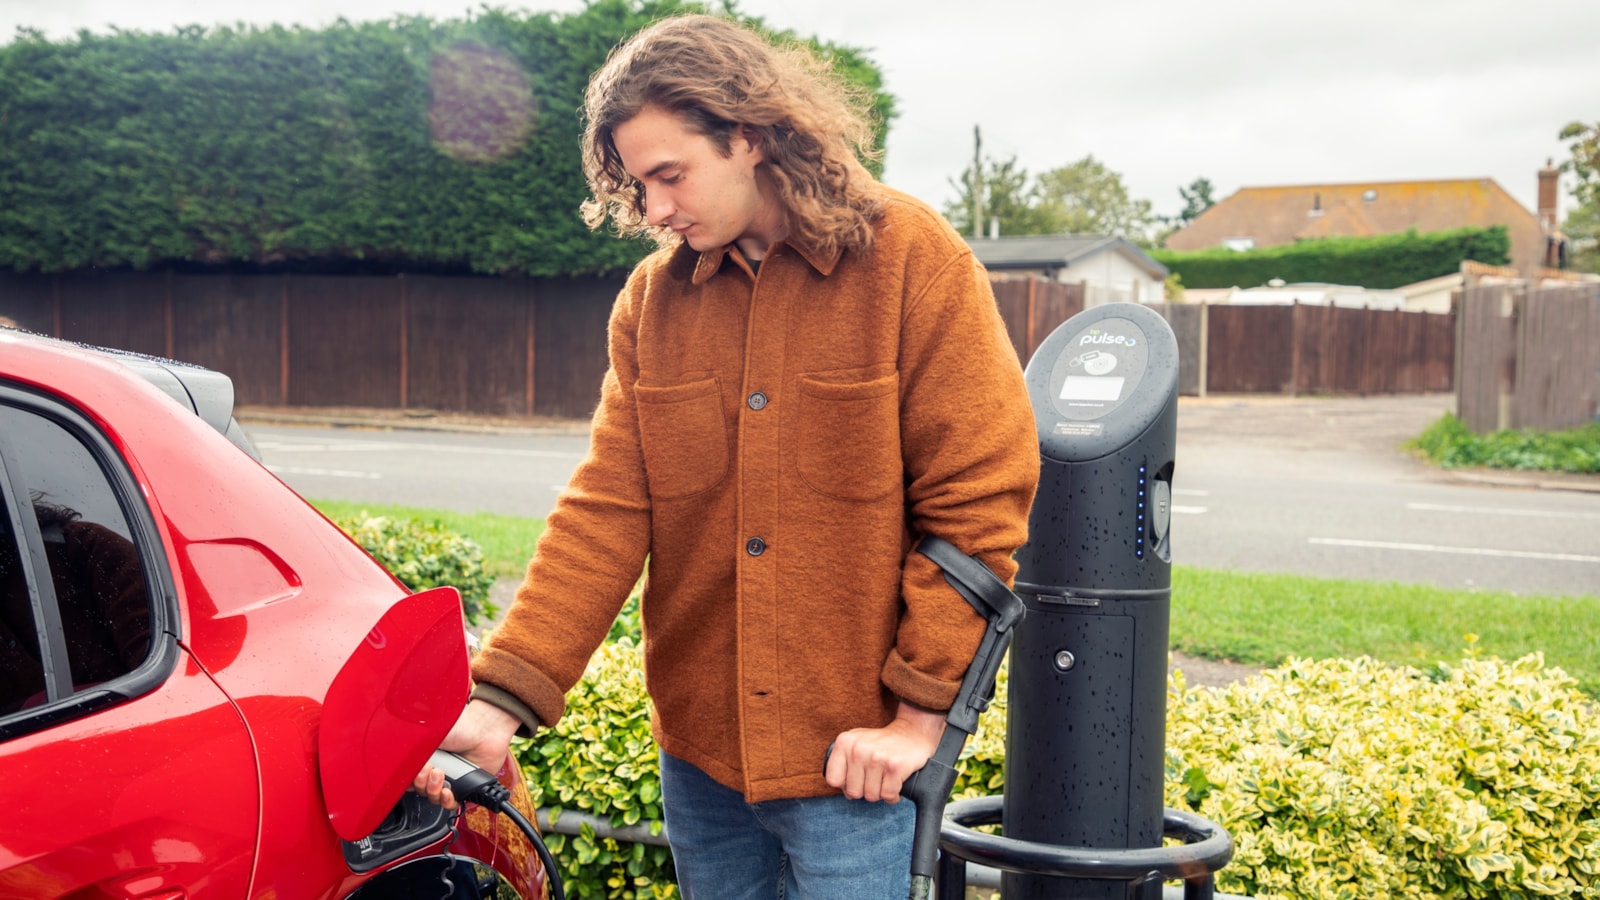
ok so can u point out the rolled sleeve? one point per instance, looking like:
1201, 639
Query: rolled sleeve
972, 461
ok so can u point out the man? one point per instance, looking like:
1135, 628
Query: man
807, 377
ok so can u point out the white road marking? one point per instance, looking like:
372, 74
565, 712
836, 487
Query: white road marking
328, 473
393, 446
1190, 492
1460, 551
1189, 510
1501, 511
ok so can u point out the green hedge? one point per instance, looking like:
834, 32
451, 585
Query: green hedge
407, 144
1336, 779
600, 759
426, 555
1380, 262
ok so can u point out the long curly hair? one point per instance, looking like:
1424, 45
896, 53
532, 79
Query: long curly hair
812, 128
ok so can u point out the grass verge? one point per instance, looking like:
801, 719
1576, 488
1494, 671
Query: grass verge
1247, 617
1263, 619
507, 541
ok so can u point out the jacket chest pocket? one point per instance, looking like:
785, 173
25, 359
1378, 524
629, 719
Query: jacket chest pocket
684, 436
850, 437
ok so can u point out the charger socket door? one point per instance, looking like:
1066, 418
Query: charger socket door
393, 701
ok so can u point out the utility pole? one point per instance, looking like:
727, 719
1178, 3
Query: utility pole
977, 183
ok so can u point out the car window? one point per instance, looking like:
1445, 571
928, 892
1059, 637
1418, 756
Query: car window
21, 671
76, 609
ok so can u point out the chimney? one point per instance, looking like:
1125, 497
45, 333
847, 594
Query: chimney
1549, 188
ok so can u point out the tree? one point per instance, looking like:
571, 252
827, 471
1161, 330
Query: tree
1085, 197
1582, 225
1082, 198
1582, 229
1196, 200
1008, 198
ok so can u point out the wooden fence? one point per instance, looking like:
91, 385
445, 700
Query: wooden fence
1528, 358
537, 346
1303, 349
487, 345
1032, 308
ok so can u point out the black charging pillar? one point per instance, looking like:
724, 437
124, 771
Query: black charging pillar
1087, 697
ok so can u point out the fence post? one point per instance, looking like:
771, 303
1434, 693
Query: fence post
1511, 402
1296, 324
405, 344
1033, 289
533, 320
1458, 309
283, 342
1326, 377
1395, 375
167, 316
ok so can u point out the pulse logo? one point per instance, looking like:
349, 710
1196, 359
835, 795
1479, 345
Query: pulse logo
1095, 336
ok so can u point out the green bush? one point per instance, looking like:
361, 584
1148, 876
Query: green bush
1450, 444
1347, 778
600, 759
1336, 779
1380, 261
627, 624
981, 771
425, 555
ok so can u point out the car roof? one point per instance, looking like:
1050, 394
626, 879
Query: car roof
205, 392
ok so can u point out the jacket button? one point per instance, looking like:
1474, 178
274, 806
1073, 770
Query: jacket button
755, 546
758, 401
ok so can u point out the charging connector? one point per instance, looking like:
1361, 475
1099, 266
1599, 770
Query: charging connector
471, 784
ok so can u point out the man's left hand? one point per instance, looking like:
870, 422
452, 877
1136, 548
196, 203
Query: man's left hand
872, 763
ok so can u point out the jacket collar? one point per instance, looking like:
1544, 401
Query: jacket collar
710, 261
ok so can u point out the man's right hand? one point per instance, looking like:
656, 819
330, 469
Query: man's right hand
483, 736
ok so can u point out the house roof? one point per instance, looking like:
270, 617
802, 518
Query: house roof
1270, 216
1057, 251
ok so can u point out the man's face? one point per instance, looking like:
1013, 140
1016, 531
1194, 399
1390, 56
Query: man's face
709, 199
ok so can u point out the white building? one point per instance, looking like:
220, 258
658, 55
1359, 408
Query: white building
1111, 269
1434, 295
1277, 293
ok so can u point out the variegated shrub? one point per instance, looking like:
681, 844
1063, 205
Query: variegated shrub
1347, 778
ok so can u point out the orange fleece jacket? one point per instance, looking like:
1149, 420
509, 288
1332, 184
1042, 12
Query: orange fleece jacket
774, 444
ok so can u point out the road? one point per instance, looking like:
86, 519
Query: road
1322, 487
1315, 486
512, 474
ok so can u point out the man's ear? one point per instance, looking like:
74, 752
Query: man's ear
752, 141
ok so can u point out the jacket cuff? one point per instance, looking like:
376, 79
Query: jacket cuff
513, 677
509, 704
916, 687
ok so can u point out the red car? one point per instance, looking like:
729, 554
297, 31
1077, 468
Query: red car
206, 689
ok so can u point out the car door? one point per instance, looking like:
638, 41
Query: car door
128, 772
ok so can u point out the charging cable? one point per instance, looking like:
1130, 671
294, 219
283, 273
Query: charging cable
471, 784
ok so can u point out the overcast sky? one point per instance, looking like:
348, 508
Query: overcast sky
1243, 92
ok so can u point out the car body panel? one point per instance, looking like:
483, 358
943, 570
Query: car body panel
111, 799
210, 782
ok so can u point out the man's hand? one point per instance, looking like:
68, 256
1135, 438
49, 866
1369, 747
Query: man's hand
483, 736
872, 763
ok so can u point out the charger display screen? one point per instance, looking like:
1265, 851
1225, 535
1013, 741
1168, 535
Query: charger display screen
1090, 387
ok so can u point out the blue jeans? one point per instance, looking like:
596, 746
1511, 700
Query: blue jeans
816, 848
